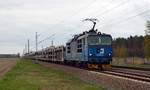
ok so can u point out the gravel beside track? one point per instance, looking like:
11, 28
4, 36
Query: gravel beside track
112, 82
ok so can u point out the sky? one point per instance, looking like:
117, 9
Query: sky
61, 19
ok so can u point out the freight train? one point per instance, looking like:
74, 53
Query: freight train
90, 49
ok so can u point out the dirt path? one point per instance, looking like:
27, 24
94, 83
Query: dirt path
6, 65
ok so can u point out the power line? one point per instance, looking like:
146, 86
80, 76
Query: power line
37, 43
71, 15
103, 6
63, 21
116, 19
49, 37
78, 12
81, 9
128, 18
109, 10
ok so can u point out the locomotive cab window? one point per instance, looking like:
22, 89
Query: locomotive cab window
68, 51
92, 40
105, 40
79, 46
79, 50
68, 48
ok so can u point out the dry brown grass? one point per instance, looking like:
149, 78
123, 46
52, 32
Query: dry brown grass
133, 62
6, 65
9, 58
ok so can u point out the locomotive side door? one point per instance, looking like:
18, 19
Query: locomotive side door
85, 48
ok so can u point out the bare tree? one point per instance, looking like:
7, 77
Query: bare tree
147, 41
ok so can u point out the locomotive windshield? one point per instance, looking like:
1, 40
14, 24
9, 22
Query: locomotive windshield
97, 40
105, 40
92, 40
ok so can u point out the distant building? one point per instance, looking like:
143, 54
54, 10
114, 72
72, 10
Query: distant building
9, 55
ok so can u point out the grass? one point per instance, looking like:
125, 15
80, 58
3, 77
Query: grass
138, 62
27, 75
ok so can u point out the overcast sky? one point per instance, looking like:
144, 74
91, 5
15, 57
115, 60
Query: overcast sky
20, 19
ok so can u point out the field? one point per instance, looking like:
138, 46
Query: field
8, 59
27, 75
6, 64
132, 62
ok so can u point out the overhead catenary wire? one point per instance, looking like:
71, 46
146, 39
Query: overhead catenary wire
116, 19
82, 8
109, 10
64, 21
102, 7
128, 18
49, 37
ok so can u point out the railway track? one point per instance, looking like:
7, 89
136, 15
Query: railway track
129, 76
132, 68
125, 74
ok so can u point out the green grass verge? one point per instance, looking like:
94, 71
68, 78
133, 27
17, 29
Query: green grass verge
27, 75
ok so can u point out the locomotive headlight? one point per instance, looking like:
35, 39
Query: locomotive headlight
90, 54
109, 54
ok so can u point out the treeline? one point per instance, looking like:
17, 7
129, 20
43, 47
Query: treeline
129, 47
133, 46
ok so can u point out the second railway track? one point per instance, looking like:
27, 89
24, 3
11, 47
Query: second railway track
129, 75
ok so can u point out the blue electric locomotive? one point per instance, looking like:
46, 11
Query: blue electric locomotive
91, 49
99, 51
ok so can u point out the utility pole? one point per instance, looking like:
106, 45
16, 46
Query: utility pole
36, 44
42, 47
52, 42
36, 41
28, 46
23, 52
25, 49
